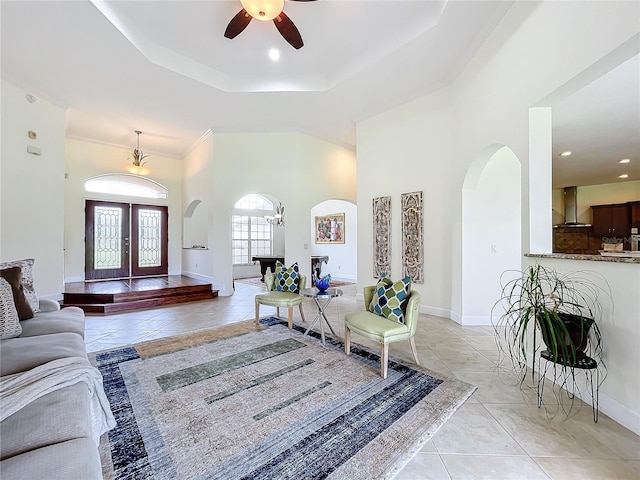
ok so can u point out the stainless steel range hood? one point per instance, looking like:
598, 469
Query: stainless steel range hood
570, 205
571, 208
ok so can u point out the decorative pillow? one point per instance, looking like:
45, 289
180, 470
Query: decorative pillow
12, 276
9, 322
287, 279
26, 266
390, 298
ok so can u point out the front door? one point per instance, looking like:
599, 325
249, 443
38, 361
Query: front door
125, 240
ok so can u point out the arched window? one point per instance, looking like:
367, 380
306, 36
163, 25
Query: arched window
251, 234
254, 202
125, 184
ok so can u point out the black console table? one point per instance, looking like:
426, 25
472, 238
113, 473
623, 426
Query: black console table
267, 262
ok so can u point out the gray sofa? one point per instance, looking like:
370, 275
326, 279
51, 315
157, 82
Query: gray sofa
51, 437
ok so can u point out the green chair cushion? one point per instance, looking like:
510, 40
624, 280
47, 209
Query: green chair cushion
279, 299
376, 327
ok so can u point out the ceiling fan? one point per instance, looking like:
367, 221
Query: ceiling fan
265, 10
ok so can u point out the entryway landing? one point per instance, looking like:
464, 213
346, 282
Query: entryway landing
115, 296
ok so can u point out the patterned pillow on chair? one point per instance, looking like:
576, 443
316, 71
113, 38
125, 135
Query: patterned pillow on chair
390, 298
287, 279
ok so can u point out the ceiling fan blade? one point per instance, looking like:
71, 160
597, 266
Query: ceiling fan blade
288, 30
303, 0
237, 24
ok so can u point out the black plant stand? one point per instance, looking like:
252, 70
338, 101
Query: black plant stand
588, 364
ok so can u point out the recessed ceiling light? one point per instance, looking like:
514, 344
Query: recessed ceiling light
625, 160
624, 175
274, 54
565, 154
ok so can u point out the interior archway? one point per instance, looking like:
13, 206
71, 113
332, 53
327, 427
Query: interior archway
253, 234
491, 230
343, 263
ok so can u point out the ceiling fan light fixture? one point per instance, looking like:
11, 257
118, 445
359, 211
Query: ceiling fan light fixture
264, 10
274, 54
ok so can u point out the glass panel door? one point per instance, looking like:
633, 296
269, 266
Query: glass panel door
106, 240
110, 250
150, 239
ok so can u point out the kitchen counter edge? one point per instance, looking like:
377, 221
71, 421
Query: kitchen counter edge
594, 258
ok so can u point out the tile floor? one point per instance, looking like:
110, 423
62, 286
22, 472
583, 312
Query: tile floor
499, 433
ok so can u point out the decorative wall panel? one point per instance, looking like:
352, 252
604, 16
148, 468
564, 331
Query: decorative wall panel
381, 236
412, 237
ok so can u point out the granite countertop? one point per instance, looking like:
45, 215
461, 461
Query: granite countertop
574, 256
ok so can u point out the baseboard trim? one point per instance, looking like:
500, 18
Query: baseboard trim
619, 413
221, 287
613, 409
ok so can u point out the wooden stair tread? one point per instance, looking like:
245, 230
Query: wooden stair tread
123, 296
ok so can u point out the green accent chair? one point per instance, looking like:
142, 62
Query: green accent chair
381, 329
274, 298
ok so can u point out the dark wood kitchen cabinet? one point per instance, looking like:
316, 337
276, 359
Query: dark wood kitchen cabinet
635, 214
611, 220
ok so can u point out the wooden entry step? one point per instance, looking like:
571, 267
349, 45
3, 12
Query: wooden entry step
115, 296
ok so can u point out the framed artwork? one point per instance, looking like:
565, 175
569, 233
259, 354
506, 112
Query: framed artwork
412, 237
381, 236
330, 228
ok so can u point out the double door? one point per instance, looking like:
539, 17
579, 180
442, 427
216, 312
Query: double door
125, 240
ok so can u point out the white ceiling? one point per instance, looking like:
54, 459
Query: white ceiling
599, 125
164, 67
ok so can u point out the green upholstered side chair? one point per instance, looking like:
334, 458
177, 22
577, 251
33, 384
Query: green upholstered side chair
381, 329
277, 299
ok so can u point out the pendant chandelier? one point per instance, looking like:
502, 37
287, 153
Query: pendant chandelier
137, 165
278, 218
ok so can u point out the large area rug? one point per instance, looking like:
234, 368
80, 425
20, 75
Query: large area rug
247, 402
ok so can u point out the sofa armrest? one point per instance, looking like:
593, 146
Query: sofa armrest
47, 305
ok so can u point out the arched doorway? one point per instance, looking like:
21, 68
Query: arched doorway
491, 230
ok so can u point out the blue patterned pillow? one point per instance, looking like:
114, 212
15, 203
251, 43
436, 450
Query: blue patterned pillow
390, 298
287, 279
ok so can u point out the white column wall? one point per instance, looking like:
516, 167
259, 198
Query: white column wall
32, 187
297, 169
197, 181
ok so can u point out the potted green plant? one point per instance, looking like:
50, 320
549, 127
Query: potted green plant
545, 313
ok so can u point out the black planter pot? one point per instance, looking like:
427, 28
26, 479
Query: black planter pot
571, 333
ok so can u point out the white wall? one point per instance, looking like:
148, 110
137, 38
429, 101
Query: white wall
86, 159
405, 150
32, 187
490, 200
343, 259
620, 329
429, 144
436, 138
197, 181
298, 170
